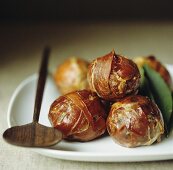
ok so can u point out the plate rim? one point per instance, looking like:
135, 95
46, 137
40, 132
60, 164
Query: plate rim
15, 93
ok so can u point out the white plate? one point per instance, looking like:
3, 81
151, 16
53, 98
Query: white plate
100, 150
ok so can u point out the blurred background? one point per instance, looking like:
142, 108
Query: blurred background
30, 10
84, 28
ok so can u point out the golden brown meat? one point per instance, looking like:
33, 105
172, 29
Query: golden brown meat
72, 75
135, 121
156, 65
113, 76
78, 115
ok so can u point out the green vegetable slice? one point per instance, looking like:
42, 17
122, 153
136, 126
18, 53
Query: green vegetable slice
144, 88
170, 125
161, 93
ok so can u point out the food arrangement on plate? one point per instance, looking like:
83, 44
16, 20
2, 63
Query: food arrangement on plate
131, 100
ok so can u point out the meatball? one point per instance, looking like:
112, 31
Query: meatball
156, 65
113, 76
135, 121
78, 115
71, 75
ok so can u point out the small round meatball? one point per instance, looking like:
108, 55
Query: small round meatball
72, 75
135, 121
78, 115
113, 76
156, 65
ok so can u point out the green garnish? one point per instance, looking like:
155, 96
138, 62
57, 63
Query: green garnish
144, 89
161, 93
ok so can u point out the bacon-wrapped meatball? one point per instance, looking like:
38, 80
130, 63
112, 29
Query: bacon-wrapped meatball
113, 76
156, 65
135, 121
72, 75
78, 115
